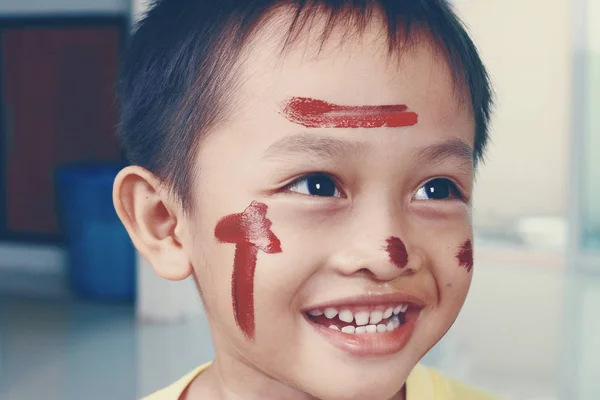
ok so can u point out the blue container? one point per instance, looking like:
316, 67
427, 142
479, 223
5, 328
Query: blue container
101, 255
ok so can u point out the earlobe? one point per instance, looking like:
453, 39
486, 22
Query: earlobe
151, 218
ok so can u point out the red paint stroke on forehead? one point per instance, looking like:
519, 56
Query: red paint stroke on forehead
397, 251
465, 256
313, 113
250, 231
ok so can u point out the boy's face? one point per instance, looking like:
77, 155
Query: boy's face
336, 215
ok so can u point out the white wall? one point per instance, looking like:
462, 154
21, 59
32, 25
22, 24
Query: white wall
592, 135
526, 46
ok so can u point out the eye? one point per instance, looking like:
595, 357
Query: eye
438, 189
317, 184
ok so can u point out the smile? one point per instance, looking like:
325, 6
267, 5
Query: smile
366, 329
359, 321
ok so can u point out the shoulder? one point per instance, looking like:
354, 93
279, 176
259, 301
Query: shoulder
174, 391
428, 383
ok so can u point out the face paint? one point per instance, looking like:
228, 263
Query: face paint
397, 252
250, 231
465, 256
313, 113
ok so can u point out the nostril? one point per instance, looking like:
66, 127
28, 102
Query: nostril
381, 277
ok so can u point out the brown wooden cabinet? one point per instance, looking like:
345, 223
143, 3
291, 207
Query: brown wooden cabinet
58, 106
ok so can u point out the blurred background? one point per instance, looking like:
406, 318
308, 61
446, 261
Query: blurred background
82, 316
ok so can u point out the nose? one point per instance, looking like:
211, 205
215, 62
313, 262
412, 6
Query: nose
383, 254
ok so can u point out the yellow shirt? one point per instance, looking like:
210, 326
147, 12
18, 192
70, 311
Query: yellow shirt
423, 384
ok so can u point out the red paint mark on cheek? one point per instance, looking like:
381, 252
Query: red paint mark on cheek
465, 256
313, 113
397, 251
250, 231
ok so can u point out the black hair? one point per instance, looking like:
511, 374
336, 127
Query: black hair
176, 81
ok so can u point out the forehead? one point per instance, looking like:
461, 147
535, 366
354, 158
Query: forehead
349, 67
352, 69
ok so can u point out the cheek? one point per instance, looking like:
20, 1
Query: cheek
307, 241
451, 257
454, 270
464, 256
250, 232
212, 265
281, 278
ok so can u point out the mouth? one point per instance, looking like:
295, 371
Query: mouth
366, 330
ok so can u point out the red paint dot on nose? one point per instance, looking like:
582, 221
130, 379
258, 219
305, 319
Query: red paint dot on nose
397, 251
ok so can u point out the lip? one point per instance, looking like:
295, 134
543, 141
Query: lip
370, 344
414, 302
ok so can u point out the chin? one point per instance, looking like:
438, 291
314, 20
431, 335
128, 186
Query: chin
374, 389
356, 378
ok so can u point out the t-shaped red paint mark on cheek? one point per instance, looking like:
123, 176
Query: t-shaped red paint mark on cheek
250, 231
397, 251
465, 256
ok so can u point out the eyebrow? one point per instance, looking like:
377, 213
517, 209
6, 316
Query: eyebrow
441, 151
312, 145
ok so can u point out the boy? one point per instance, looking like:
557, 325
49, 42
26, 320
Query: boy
310, 164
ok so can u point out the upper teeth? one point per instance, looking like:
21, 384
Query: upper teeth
361, 318
330, 312
346, 316
388, 312
400, 308
376, 317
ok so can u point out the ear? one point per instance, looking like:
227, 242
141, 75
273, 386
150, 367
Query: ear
153, 219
